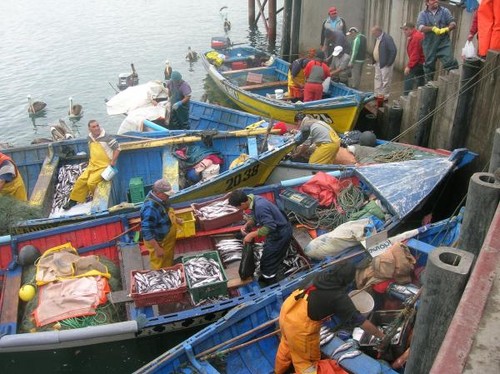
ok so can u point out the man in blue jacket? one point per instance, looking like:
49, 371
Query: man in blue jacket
384, 55
272, 224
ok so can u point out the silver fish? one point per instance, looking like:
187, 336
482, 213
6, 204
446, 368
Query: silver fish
344, 347
350, 354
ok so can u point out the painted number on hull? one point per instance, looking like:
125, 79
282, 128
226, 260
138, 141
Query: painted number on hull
322, 117
236, 180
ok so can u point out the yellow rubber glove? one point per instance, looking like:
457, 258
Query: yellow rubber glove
444, 30
436, 30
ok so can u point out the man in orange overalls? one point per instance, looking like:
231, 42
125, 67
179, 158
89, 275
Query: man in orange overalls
104, 151
11, 182
303, 312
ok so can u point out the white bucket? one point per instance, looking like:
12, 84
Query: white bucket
109, 173
278, 93
363, 301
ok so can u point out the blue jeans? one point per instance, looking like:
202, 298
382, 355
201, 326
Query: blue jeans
414, 79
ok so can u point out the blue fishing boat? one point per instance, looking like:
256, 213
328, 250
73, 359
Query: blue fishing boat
245, 340
250, 78
115, 238
147, 156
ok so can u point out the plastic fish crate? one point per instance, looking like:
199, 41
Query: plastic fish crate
188, 228
209, 290
299, 203
216, 223
159, 297
136, 190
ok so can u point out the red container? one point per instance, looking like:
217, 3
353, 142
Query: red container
380, 100
238, 65
216, 223
159, 297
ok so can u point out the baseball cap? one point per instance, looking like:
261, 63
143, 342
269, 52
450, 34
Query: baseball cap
351, 30
337, 50
407, 25
332, 10
162, 185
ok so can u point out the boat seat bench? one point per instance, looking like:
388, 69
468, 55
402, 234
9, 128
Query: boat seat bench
10, 299
251, 87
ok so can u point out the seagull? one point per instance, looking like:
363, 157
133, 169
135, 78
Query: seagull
35, 107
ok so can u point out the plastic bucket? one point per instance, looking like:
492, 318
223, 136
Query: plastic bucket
109, 173
363, 301
278, 93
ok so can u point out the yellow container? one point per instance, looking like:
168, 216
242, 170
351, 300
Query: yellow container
188, 228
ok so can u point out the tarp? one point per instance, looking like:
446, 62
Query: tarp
136, 97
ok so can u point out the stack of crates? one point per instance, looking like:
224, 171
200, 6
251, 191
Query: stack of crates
136, 190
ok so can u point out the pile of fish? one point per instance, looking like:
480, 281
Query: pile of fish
230, 250
349, 349
215, 210
66, 178
159, 280
202, 271
325, 335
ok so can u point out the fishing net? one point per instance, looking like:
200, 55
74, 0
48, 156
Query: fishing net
393, 152
12, 211
105, 313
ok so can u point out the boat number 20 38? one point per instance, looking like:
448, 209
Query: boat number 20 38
235, 181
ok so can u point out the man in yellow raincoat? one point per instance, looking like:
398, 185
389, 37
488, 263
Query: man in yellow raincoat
104, 151
11, 182
159, 225
322, 135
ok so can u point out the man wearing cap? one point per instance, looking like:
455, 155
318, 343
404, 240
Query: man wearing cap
436, 23
384, 55
296, 78
11, 181
179, 94
322, 135
303, 313
104, 150
339, 67
316, 71
358, 55
414, 70
159, 225
332, 23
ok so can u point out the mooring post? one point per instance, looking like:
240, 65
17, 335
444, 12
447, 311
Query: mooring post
251, 13
495, 152
463, 113
427, 106
483, 197
445, 278
271, 32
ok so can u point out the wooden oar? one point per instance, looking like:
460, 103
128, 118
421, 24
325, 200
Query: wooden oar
190, 139
215, 347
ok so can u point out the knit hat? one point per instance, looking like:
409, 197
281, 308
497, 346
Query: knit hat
176, 76
162, 185
332, 10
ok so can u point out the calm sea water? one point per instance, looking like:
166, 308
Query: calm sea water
56, 49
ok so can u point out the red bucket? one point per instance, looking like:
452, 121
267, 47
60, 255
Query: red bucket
380, 100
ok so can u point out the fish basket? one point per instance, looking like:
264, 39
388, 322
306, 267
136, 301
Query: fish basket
136, 190
188, 227
214, 289
158, 297
216, 223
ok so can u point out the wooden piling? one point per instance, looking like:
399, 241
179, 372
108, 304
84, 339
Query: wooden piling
409, 118
483, 197
465, 103
426, 107
271, 32
445, 279
251, 13
495, 153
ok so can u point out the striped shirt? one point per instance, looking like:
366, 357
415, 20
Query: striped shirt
108, 142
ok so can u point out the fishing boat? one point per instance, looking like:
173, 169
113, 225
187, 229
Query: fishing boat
261, 89
246, 339
115, 238
149, 156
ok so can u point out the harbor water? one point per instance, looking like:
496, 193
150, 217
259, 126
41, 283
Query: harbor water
56, 49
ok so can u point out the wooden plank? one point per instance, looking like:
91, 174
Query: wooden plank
254, 77
241, 71
42, 192
264, 85
10, 298
253, 151
170, 168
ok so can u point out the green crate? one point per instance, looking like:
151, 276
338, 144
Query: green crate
209, 290
136, 190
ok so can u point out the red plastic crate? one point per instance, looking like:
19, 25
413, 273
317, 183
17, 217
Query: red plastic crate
238, 65
159, 297
216, 223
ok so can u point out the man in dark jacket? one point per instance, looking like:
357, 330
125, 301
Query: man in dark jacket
384, 54
272, 224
